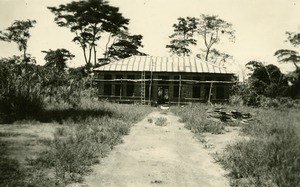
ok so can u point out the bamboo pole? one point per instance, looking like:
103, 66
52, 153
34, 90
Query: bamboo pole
150, 90
210, 89
151, 81
121, 89
179, 90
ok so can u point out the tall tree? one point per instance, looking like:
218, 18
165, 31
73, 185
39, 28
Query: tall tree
58, 58
88, 19
287, 55
18, 32
183, 36
218, 57
125, 45
212, 29
54, 74
267, 79
292, 56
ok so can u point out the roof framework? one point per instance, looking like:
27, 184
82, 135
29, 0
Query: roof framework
165, 80
163, 64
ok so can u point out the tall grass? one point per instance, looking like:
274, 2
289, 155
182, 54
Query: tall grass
15, 173
89, 138
271, 156
194, 117
10, 170
88, 133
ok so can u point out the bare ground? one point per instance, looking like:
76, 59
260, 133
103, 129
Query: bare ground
162, 156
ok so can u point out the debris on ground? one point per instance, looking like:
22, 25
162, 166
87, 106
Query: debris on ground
220, 114
157, 182
164, 107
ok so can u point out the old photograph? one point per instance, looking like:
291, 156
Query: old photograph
194, 93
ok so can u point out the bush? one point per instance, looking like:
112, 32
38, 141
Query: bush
19, 106
161, 121
262, 101
20, 91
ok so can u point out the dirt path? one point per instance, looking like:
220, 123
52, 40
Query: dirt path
158, 156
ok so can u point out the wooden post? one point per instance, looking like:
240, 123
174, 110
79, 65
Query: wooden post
210, 89
151, 82
179, 90
121, 89
150, 85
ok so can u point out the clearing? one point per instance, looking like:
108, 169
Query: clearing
164, 155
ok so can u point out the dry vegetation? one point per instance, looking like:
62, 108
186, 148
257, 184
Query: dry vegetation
77, 139
194, 117
62, 151
268, 157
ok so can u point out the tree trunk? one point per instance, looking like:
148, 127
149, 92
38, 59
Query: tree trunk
84, 54
106, 46
90, 54
25, 60
297, 67
207, 53
95, 56
268, 73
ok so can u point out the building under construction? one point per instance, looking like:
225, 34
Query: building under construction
163, 80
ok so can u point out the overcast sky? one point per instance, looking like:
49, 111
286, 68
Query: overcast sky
260, 25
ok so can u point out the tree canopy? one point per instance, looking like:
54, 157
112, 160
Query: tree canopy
58, 58
125, 45
183, 36
267, 79
88, 20
19, 33
210, 28
292, 56
287, 55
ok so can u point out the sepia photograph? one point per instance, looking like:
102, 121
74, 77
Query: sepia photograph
115, 93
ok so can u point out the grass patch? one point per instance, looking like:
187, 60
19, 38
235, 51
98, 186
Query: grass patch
88, 133
13, 172
150, 120
86, 139
271, 157
161, 121
194, 117
9, 134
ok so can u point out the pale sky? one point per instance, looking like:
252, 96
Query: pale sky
260, 26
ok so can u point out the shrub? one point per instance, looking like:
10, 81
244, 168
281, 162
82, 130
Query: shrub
20, 91
262, 101
150, 120
161, 121
19, 106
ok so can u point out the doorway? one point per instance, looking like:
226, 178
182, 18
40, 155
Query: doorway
162, 95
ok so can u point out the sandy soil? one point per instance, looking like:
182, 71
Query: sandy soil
161, 156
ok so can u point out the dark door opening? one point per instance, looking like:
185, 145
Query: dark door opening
162, 95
